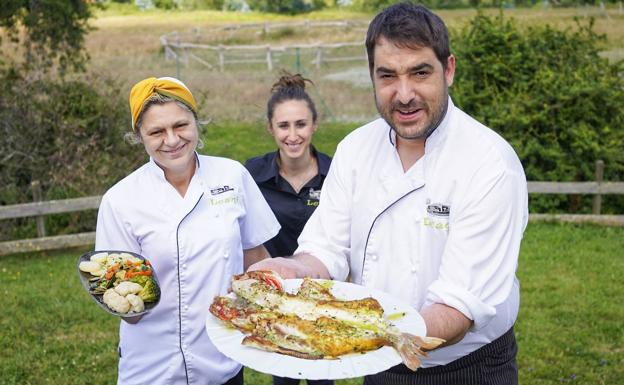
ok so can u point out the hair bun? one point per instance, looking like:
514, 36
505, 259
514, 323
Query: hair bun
288, 80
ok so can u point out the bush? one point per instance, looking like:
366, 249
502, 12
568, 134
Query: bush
550, 94
165, 4
67, 134
291, 7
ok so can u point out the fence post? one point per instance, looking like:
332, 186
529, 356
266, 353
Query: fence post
297, 60
597, 204
221, 59
319, 57
269, 59
36, 190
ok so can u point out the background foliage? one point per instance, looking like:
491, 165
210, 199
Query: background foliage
550, 94
53, 31
301, 6
67, 134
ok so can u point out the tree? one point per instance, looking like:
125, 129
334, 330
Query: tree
49, 32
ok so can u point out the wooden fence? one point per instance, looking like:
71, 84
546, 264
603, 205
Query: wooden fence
39, 209
265, 53
177, 46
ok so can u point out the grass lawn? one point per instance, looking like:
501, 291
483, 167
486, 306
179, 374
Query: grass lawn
242, 141
569, 329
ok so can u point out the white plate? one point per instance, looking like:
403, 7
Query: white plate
228, 341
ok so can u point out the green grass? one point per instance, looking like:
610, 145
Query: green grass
242, 141
570, 324
569, 329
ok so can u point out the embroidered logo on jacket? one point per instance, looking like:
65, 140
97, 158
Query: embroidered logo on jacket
438, 216
221, 190
439, 210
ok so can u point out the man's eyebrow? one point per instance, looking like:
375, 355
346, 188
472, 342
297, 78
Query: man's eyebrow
420, 67
384, 70
416, 68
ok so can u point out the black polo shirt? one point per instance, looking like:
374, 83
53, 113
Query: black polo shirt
292, 210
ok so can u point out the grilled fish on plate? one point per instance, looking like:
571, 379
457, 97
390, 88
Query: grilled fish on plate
312, 323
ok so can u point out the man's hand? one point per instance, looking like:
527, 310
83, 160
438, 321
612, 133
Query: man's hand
285, 267
445, 322
253, 255
297, 266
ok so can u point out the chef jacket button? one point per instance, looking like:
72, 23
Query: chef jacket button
414, 270
226, 255
184, 266
185, 307
374, 257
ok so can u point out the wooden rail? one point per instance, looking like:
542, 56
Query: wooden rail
176, 49
39, 209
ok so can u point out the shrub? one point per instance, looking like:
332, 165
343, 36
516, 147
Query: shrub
286, 6
67, 134
550, 94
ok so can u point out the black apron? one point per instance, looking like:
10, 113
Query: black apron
491, 364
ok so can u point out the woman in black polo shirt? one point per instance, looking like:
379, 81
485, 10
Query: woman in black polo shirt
291, 177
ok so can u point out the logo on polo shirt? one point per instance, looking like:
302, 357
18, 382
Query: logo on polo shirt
221, 190
314, 194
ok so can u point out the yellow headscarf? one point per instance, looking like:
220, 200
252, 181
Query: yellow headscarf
167, 86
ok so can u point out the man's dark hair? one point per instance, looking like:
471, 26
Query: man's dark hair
408, 25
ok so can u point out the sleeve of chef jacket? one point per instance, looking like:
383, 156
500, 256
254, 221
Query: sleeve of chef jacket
258, 225
327, 234
485, 230
113, 232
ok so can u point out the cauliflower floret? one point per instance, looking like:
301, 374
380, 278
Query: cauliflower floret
89, 267
99, 258
116, 302
136, 302
127, 287
129, 257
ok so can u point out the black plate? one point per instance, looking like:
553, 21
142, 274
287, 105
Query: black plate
84, 279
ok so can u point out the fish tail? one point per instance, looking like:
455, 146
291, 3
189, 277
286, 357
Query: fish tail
410, 348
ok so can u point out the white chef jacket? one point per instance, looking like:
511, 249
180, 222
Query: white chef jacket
446, 231
195, 244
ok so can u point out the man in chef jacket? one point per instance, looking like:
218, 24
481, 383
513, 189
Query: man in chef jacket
426, 204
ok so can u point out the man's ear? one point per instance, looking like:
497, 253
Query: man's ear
449, 73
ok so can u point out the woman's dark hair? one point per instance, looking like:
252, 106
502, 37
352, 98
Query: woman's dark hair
408, 25
289, 87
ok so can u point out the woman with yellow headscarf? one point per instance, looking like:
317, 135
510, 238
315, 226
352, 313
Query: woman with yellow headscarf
199, 220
